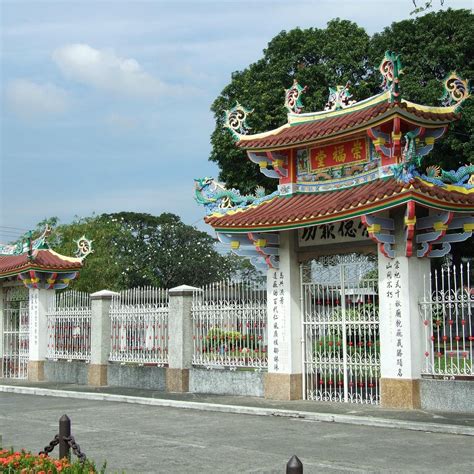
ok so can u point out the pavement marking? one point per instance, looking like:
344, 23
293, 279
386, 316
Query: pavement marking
246, 410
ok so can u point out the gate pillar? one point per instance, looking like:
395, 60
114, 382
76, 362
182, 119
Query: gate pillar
39, 301
283, 380
401, 331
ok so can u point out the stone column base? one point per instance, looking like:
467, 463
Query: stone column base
400, 393
283, 386
97, 375
36, 370
177, 380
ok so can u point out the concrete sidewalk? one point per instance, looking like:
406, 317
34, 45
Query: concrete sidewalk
368, 415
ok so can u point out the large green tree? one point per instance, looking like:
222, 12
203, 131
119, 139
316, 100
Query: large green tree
431, 46
135, 249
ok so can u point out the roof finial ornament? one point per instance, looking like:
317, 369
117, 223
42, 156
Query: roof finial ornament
84, 247
236, 120
339, 97
293, 99
456, 90
391, 68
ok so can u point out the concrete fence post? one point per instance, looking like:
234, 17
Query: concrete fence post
2, 297
39, 301
100, 337
180, 344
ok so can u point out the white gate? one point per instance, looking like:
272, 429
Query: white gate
14, 361
341, 356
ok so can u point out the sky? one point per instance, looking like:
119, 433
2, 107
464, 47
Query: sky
105, 105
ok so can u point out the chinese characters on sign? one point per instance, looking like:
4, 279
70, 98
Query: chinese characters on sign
34, 319
346, 231
278, 322
338, 155
393, 290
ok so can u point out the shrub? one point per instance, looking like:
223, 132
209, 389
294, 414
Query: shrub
23, 462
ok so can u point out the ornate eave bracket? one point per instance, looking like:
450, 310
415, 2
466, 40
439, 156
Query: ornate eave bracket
261, 248
389, 145
47, 280
379, 230
436, 233
277, 161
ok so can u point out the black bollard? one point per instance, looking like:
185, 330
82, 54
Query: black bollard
64, 432
294, 466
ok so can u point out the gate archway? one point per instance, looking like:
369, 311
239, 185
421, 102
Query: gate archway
341, 353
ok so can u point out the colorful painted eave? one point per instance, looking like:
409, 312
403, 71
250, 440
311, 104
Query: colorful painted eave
303, 129
43, 260
304, 210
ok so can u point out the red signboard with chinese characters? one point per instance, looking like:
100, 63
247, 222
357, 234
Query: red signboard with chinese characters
339, 154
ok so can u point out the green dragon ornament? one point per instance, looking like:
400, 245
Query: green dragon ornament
216, 198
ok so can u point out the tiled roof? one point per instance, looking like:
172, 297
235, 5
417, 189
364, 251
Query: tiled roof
302, 210
332, 124
43, 260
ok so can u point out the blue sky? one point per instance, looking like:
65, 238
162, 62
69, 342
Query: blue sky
105, 104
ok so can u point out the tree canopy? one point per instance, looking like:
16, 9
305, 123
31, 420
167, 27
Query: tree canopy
136, 249
431, 46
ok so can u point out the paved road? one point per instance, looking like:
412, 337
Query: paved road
146, 439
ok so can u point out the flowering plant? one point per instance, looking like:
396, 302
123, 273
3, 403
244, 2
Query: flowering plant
23, 462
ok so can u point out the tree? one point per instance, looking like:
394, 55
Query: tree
135, 249
431, 46
316, 57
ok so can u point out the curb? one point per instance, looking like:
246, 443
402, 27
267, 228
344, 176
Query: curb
244, 410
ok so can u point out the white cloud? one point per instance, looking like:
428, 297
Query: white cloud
104, 70
29, 99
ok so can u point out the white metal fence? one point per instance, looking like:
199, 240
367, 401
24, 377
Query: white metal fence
139, 326
341, 354
69, 326
15, 337
447, 309
230, 325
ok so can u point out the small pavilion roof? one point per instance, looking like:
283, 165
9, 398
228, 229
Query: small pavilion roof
303, 210
41, 260
305, 128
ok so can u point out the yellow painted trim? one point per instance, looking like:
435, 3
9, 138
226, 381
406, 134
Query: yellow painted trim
263, 164
235, 244
430, 140
67, 259
410, 221
315, 116
450, 187
468, 227
244, 138
374, 228
428, 108
439, 226
260, 243
396, 136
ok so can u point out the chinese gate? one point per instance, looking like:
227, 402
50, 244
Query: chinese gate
15, 337
341, 353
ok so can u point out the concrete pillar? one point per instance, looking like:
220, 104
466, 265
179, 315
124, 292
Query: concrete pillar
100, 337
180, 344
283, 380
401, 327
2, 299
39, 301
